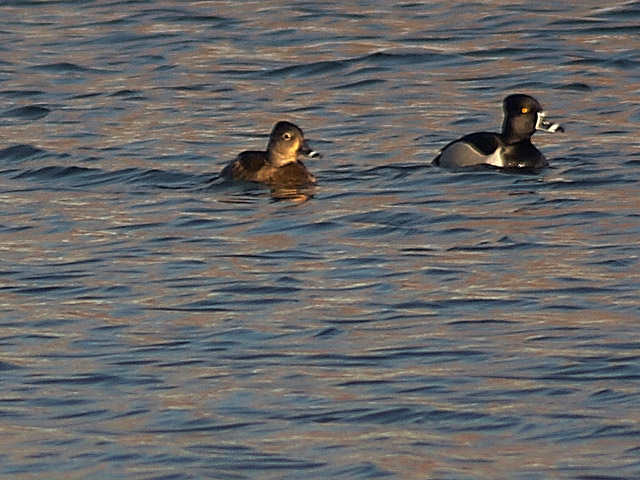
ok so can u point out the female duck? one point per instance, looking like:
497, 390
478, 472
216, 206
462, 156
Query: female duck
512, 148
279, 164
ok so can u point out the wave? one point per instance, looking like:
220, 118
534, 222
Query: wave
29, 112
74, 176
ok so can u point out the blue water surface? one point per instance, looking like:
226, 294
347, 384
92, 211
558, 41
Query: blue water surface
395, 321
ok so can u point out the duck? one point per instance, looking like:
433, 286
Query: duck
278, 164
510, 149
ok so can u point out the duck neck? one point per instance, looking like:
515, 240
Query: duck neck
280, 159
510, 136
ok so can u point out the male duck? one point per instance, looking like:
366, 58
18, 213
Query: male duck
510, 149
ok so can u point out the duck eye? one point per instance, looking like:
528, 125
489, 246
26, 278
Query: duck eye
525, 110
286, 136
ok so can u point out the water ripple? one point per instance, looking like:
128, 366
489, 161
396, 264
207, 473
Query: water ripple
157, 324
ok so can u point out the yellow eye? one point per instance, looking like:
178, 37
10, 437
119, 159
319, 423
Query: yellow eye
524, 110
286, 136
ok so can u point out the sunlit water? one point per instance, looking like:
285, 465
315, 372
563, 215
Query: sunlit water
396, 321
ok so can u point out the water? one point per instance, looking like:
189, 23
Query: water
396, 321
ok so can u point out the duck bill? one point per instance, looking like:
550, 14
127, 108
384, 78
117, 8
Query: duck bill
546, 126
307, 152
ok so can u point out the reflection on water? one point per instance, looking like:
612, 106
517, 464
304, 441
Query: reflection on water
396, 320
